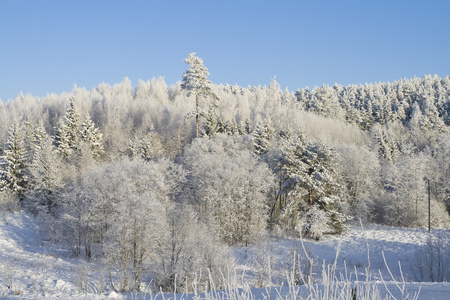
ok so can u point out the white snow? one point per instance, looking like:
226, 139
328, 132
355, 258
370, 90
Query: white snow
38, 270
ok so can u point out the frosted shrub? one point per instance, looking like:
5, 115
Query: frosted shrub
9, 202
7, 274
82, 278
316, 223
263, 264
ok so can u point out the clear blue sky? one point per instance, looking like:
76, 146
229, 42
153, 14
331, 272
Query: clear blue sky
48, 46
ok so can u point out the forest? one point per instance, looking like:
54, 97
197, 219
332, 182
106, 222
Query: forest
159, 181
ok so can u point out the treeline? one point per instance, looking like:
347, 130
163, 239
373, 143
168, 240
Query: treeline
117, 172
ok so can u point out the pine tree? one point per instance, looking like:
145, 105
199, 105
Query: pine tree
45, 172
195, 82
211, 124
92, 136
310, 173
72, 119
262, 137
148, 147
13, 173
28, 138
68, 131
62, 140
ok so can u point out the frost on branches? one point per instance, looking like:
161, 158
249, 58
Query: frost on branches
312, 182
13, 172
195, 82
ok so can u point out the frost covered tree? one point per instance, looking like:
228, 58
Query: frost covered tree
310, 167
405, 199
92, 136
68, 131
195, 82
146, 147
310, 175
358, 169
14, 176
229, 187
388, 140
122, 207
189, 250
441, 170
45, 173
262, 137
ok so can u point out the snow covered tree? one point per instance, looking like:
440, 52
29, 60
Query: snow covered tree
262, 137
29, 140
122, 207
156, 89
229, 186
405, 198
310, 175
310, 166
212, 123
61, 140
388, 140
188, 250
146, 147
92, 136
45, 173
195, 82
38, 136
68, 131
14, 169
441, 169
358, 169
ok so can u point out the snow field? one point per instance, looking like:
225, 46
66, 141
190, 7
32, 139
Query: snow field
33, 269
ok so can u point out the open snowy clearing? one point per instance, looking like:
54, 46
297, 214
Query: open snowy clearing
33, 269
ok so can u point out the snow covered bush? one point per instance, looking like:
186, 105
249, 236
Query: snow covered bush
9, 202
315, 223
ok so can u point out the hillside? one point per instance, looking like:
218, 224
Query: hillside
156, 183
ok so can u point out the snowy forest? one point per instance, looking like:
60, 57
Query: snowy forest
158, 181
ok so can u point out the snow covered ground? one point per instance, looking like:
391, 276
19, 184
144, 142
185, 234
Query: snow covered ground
31, 269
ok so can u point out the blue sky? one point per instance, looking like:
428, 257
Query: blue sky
48, 46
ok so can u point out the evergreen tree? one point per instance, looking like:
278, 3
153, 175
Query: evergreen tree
195, 82
211, 124
148, 147
92, 136
13, 173
262, 137
62, 140
68, 131
310, 175
72, 119
45, 173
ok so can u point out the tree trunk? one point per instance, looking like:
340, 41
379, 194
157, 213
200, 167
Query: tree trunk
196, 113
